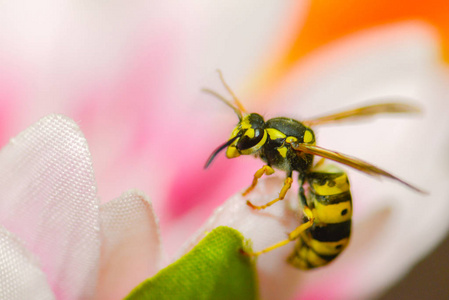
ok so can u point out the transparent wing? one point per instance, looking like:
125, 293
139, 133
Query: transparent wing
352, 162
363, 112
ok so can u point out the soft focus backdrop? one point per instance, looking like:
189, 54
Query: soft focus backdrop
130, 75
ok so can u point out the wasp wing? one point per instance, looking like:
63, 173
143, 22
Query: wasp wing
352, 162
363, 112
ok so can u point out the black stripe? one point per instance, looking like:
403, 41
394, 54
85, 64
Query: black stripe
327, 258
331, 232
332, 199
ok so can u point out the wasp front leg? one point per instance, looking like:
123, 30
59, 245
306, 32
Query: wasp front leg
308, 215
259, 173
292, 235
287, 185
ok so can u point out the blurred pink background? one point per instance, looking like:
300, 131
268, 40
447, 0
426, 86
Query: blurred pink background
130, 75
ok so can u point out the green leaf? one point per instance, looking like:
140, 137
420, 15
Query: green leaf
214, 269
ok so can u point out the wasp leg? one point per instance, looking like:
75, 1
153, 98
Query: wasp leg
287, 184
292, 235
259, 173
302, 196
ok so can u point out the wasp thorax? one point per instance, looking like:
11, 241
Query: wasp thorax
249, 135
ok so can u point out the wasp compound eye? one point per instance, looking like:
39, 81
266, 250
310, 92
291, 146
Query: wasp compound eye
251, 141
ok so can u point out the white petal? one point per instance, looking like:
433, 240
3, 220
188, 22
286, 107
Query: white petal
21, 276
49, 201
131, 244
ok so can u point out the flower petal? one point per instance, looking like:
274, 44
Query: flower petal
49, 201
278, 280
21, 275
131, 247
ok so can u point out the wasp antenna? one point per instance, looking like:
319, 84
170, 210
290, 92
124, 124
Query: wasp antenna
225, 101
238, 104
214, 154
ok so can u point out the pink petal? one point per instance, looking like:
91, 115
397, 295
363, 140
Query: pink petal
49, 201
131, 247
20, 275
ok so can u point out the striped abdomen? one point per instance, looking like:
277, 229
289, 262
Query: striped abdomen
329, 198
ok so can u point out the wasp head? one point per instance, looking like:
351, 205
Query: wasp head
247, 138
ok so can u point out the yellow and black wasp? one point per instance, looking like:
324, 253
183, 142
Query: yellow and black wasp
289, 145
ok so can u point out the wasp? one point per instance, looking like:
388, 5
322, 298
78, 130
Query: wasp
324, 190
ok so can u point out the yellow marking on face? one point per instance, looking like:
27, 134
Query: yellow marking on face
333, 213
245, 123
250, 133
234, 133
282, 151
337, 186
232, 151
329, 248
275, 134
308, 136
